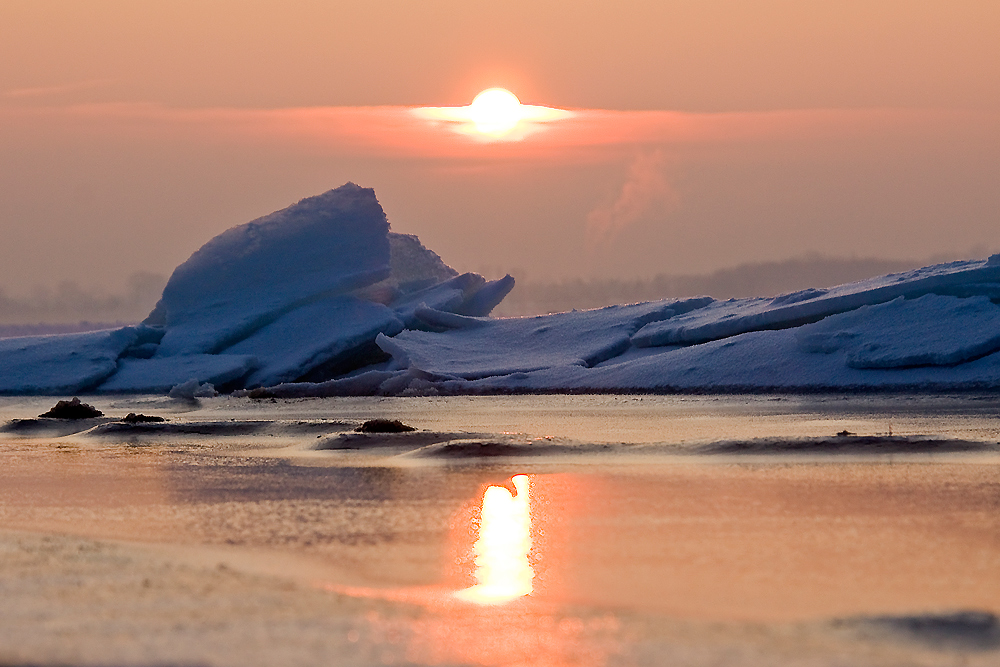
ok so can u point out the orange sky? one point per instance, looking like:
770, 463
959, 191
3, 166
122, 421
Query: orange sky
706, 133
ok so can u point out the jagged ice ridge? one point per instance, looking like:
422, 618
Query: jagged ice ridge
321, 299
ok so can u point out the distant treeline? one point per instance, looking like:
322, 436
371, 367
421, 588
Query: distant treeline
758, 279
69, 307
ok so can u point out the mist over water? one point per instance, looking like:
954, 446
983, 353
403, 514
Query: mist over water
69, 306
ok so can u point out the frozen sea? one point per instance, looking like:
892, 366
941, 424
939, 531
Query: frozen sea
647, 530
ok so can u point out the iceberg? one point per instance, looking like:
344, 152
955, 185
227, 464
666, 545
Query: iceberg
322, 299
297, 296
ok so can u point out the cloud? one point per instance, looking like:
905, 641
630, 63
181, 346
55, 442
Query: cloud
646, 187
586, 135
45, 91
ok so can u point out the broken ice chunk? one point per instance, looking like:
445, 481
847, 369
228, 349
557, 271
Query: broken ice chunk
502, 347
61, 364
250, 275
327, 338
157, 376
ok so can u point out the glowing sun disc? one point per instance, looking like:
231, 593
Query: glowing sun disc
495, 113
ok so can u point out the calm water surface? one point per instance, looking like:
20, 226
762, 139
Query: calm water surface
551, 563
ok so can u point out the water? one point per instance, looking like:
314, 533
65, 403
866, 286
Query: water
588, 561
603, 418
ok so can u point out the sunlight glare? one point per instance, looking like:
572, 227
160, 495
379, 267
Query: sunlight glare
495, 111
494, 114
502, 567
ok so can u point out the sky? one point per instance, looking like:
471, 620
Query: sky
703, 134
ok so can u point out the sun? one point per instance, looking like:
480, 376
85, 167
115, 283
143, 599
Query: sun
495, 111
494, 115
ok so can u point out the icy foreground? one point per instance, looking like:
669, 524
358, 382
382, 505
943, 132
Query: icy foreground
321, 299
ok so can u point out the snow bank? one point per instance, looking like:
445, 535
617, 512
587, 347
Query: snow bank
934, 328
928, 331
751, 362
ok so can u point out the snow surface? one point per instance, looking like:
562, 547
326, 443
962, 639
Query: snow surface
902, 333
756, 361
322, 334
61, 364
505, 346
321, 299
249, 275
735, 316
160, 375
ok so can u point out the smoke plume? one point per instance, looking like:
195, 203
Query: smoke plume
645, 187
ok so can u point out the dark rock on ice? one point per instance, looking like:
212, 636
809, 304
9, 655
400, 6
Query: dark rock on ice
72, 409
384, 426
138, 418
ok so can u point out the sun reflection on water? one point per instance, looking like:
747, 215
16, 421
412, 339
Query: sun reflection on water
503, 571
515, 614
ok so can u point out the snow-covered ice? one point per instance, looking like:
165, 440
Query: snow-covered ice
248, 276
908, 332
332, 335
321, 299
160, 375
61, 364
478, 348
729, 318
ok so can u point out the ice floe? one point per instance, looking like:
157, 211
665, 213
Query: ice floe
478, 348
250, 275
160, 375
63, 363
321, 299
332, 335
